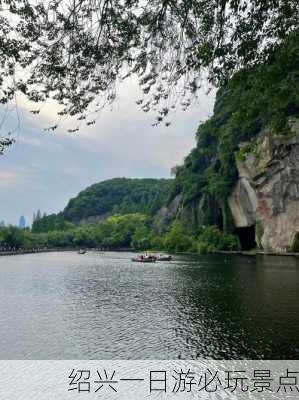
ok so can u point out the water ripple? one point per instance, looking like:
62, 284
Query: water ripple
103, 306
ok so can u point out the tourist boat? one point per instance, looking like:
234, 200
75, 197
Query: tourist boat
81, 251
163, 258
145, 259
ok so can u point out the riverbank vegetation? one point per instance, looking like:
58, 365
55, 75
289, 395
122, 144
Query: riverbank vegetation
255, 100
129, 231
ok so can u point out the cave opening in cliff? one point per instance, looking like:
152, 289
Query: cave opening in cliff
247, 237
220, 220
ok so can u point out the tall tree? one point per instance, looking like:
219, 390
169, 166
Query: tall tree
78, 51
38, 215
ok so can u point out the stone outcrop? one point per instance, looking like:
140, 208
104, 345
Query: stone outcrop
199, 212
167, 213
265, 198
267, 192
243, 203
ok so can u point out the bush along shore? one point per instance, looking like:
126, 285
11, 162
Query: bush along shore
129, 231
133, 232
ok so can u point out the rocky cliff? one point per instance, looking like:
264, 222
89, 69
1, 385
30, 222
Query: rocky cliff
266, 194
243, 174
264, 202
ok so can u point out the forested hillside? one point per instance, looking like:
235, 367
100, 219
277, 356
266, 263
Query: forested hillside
118, 196
256, 100
114, 196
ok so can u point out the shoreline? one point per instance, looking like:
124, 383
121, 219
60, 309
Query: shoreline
23, 252
258, 253
60, 250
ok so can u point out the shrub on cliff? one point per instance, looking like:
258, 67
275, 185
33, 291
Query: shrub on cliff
254, 99
178, 240
212, 239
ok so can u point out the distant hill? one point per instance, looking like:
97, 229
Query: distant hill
118, 196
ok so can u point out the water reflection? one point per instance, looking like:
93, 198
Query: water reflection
103, 306
242, 307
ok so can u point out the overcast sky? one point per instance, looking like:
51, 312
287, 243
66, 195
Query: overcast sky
44, 170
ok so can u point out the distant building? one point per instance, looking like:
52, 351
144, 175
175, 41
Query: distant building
22, 222
2, 224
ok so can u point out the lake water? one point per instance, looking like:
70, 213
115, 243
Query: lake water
103, 306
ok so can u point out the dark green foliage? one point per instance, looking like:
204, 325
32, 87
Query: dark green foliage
53, 222
119, 196
118, 231
211, 239
130, 231
12, 237
57, 239
144, 239
35, 240
177, 239
85, 236
76, 52
257, 98
197, 36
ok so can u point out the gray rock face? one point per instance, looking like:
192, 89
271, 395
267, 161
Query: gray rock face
266, 195
267, 192
166, 214
199, 212
243, 204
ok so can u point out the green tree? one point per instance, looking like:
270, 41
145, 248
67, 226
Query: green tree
60, 239
85, 236
76, 52
118, 231
53, 222
142, 239
177, 240
12, 237
212, 239
35, 241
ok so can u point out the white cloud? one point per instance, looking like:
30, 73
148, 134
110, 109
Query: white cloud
7, 178
30, 141
43, 170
